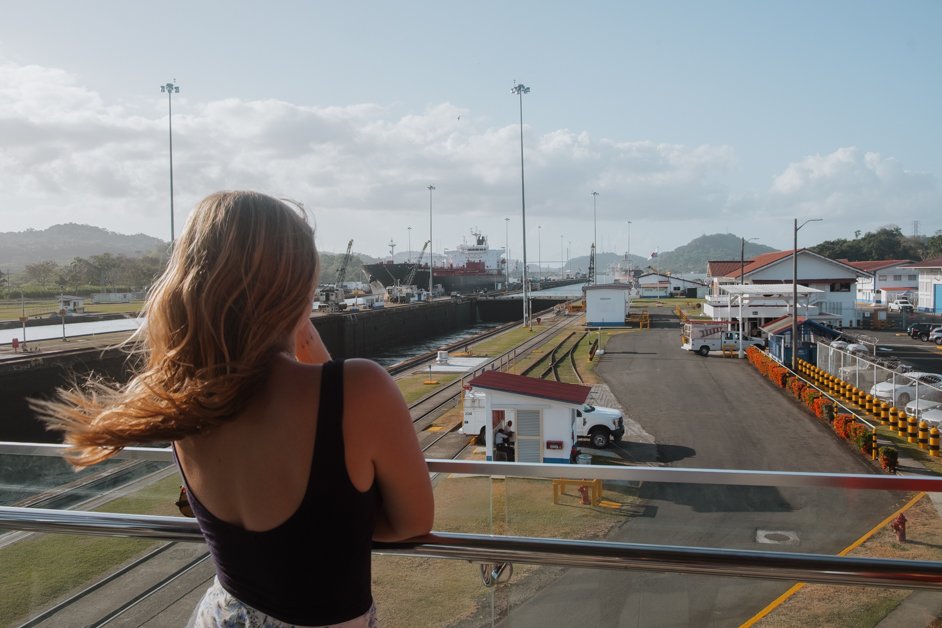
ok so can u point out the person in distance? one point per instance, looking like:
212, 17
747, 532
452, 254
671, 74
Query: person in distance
293, 462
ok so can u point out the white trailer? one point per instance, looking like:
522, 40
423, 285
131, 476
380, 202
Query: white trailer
706, 336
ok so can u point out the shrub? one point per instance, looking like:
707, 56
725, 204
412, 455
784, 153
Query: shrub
889, 459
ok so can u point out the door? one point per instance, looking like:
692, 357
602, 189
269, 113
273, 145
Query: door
937, 298
529, 436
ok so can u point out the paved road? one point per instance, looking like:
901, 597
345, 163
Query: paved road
710, 413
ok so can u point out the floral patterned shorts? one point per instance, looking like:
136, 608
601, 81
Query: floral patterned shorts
219, 609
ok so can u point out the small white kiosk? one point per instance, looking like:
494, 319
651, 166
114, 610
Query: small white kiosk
543, 414
607, 305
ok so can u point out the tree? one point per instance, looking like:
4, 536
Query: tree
933, 246
41, 272
884, 243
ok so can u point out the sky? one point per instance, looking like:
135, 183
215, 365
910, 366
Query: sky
687, 118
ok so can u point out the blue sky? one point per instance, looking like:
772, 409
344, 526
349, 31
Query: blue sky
686, 117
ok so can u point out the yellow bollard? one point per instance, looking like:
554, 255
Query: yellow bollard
884, 413
868, 404
874, 449
934, 442
894, 418
912, 431
923, 435
903, 426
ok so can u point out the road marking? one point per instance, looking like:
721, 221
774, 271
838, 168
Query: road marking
777, 537
797, 587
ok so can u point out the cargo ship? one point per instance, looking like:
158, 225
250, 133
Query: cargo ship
469, 268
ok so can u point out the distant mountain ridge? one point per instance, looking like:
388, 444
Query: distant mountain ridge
693, 256
63, 243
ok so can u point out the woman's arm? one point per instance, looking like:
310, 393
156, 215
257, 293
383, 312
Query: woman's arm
382, 420
308, 346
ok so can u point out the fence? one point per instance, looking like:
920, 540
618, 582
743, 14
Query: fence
887, 380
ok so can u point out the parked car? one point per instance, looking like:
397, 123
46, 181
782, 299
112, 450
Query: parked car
928, 400
935, 336
901, 305
933, 417
916, 330
908, 386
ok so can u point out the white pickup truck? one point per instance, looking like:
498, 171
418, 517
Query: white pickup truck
706, 336
599, 425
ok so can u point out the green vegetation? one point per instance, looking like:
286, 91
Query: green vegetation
885, 243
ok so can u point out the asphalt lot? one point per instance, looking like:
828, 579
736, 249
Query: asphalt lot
714, 413
922, 356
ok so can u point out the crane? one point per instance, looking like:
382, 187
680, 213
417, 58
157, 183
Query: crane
401, 291
333, 297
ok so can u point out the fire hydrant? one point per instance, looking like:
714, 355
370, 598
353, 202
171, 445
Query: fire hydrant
899, 526
584, 492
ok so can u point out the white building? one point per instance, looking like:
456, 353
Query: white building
660, 285
607, 305
543, 414
929, 298
885, 280
836, 280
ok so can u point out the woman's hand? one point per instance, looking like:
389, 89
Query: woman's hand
308, 346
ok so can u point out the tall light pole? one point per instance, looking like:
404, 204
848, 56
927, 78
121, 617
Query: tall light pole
520, 89
431, 249
595, 235
795, 292
507, 253
171, 89
562, 260
742, 281
409, 229
539, 253
628, 253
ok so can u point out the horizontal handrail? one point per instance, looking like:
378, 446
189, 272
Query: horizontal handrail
538, 551
724, 477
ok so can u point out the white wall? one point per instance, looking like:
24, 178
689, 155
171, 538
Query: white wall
811, 267
868, 287
606, 306
557, 420
928, 279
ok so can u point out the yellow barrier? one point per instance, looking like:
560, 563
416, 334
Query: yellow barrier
934, 442
923, 435
560, 484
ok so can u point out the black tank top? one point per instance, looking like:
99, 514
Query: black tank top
313, 569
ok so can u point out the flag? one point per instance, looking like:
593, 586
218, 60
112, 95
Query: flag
654, 254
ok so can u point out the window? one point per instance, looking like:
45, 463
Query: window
897, 277
882, 277
912, 277
843, 286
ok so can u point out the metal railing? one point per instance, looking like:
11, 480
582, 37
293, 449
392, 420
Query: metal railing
558, 552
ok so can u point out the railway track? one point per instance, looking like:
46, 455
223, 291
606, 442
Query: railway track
179, 569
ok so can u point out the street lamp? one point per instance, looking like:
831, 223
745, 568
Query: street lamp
539, 253
507, 253
561, 258
628, 253
520, 89
409, 229
795, 292
431, 249
742, 281
595, 235
171, 89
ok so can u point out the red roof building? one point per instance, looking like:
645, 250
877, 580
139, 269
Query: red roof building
575, 394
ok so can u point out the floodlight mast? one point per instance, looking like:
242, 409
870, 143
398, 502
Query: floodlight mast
170, 89
520, 89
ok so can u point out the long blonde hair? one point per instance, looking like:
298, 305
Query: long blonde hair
239, 279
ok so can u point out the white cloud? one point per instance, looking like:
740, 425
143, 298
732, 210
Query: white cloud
66, 155
851, 183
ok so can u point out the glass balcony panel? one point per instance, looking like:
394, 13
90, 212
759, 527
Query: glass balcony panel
116, 485
65, 580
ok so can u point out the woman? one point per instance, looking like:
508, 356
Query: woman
292, 462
